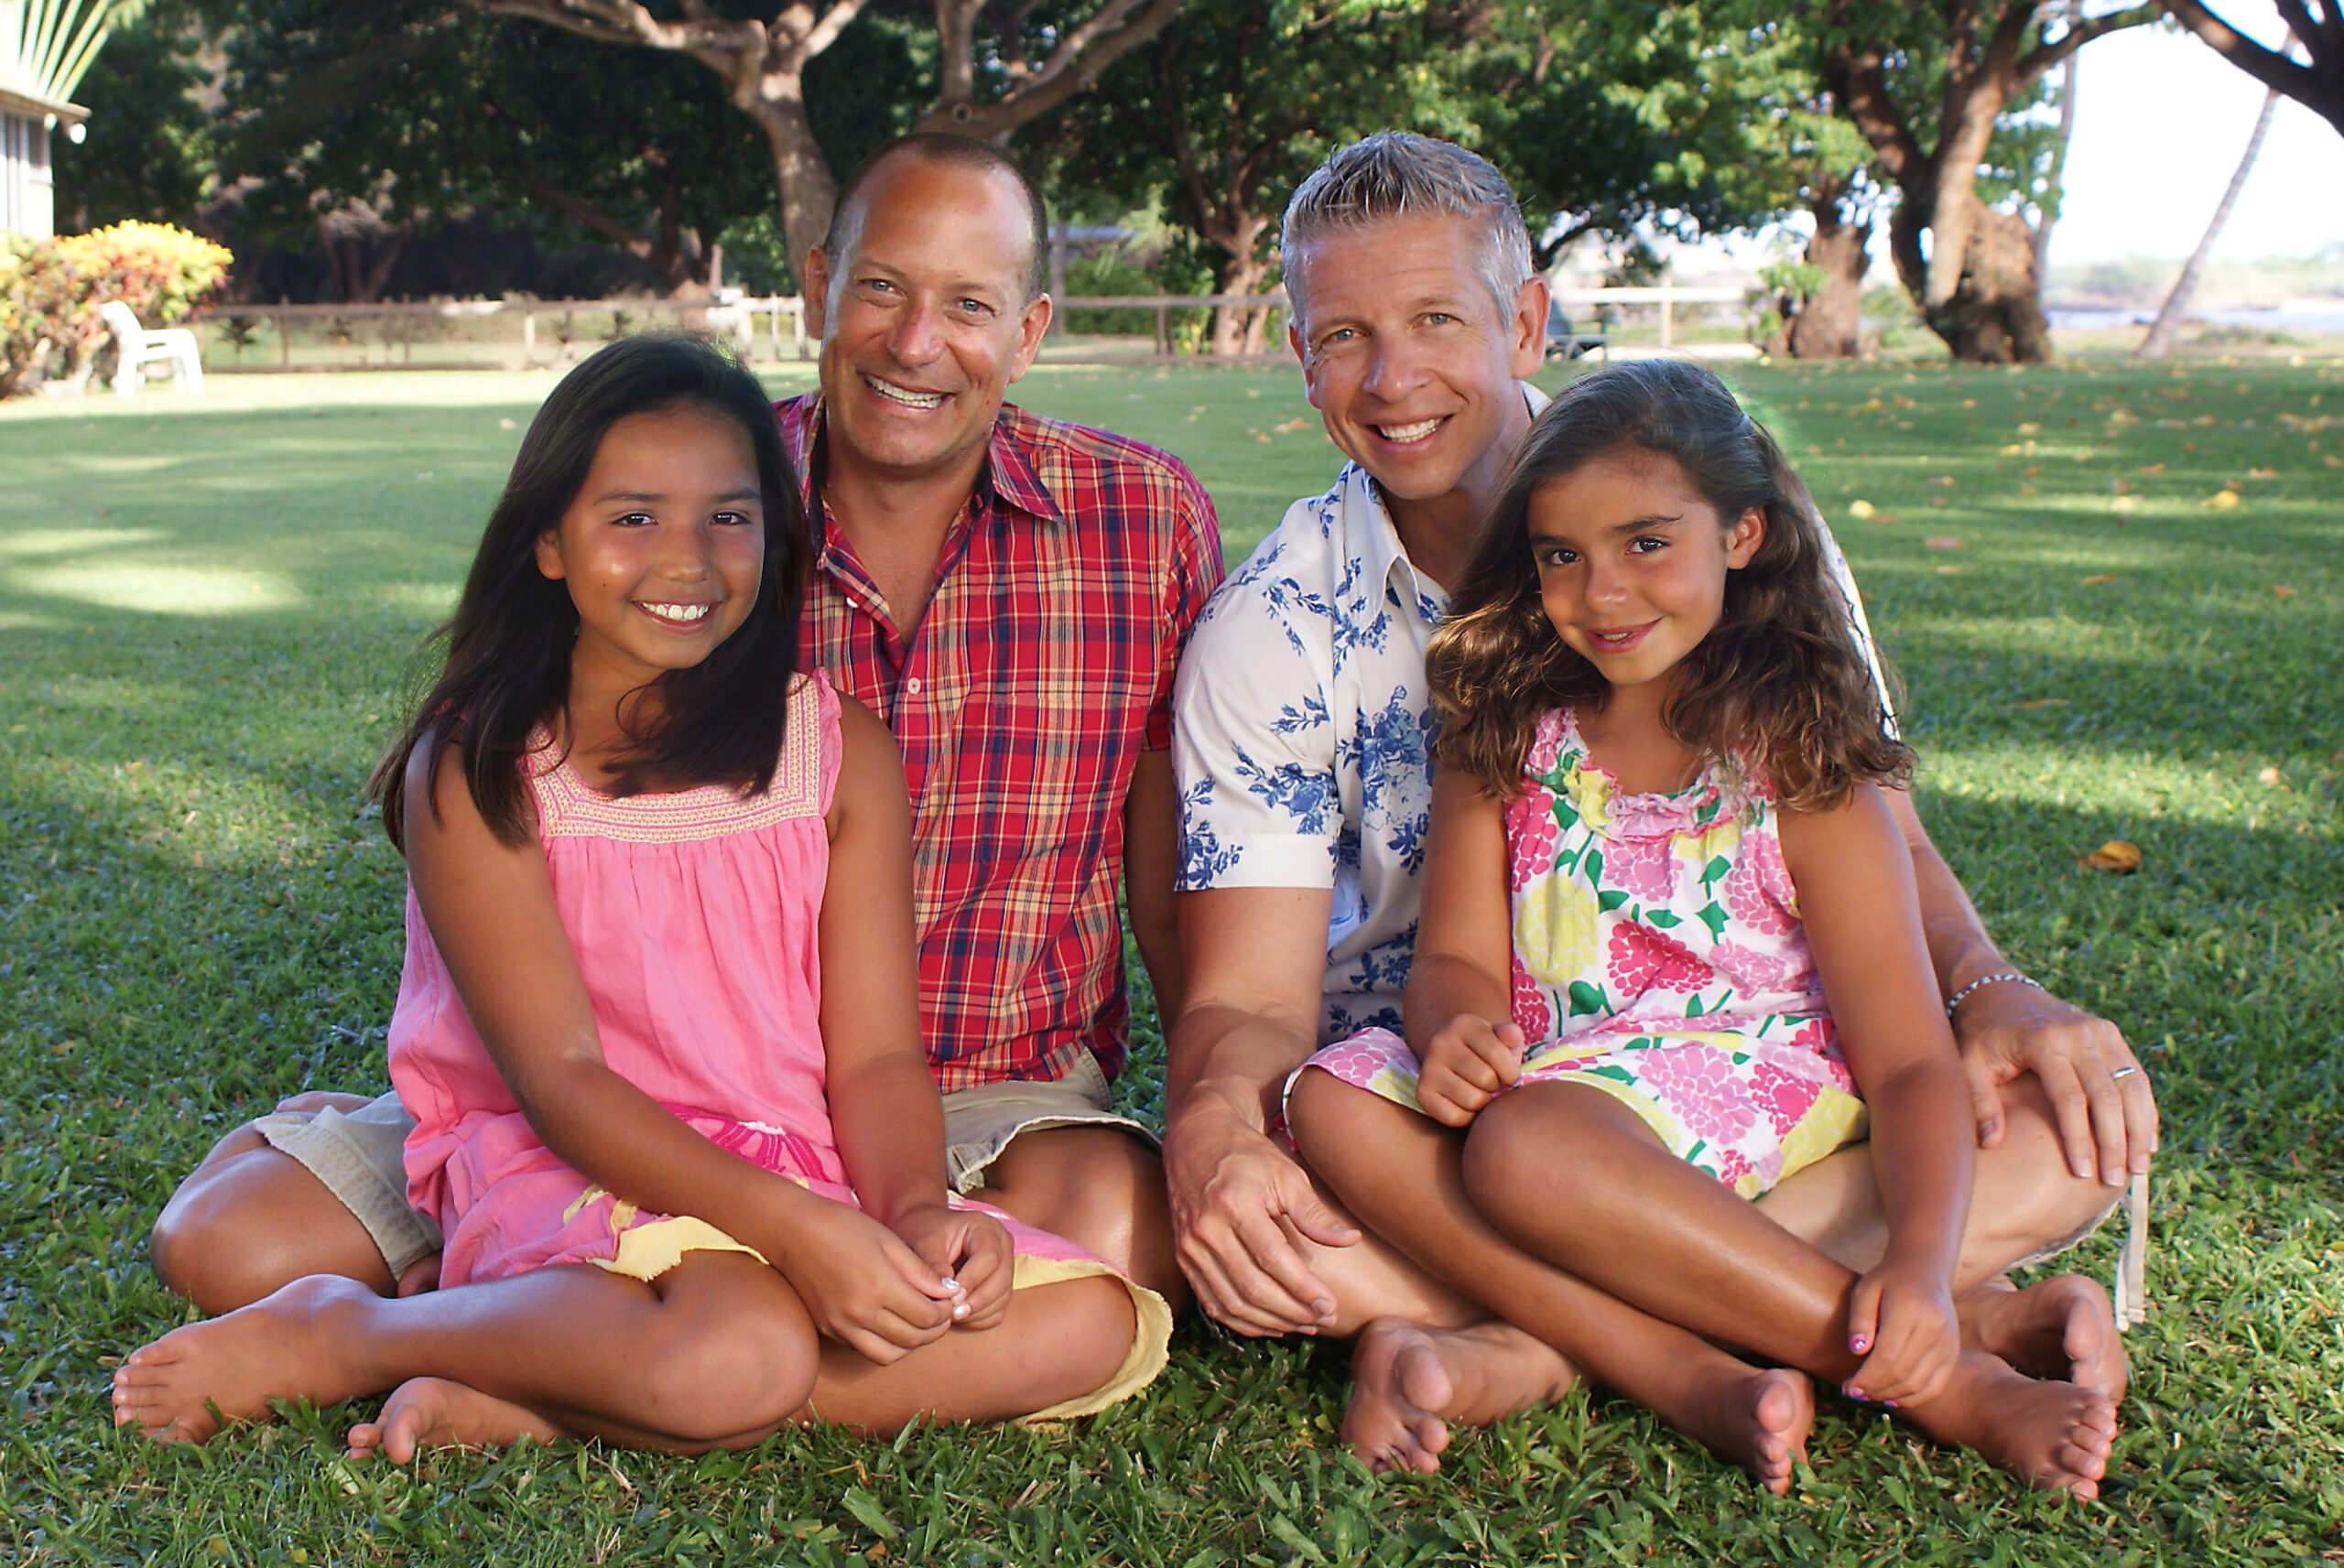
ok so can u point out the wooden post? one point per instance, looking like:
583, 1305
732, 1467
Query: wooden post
284, 343
1667, 313
529, 336
797, 329
1164, 329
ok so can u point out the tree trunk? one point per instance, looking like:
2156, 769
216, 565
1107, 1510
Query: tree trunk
807, 191
1233, 326
1829, 324
1995, 316
2159, 342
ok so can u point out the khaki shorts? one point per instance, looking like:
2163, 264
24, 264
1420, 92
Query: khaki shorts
358, 1155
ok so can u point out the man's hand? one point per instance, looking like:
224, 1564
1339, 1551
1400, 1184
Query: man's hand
2106, 1111
1235, 1197
1467, 1066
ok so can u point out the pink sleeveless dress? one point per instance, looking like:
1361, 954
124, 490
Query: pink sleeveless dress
695, 915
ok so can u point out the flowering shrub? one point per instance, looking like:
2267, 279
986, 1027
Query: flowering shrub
51, 291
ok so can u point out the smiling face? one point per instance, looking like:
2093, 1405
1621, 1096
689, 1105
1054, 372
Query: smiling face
662, 549
1632, 562
1410, 359
925, 320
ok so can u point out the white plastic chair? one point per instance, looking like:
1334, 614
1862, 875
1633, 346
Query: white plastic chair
140, 347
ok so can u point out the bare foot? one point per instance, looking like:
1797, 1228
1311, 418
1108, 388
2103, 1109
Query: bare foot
1410, 1381
2061, 1327
183, 1387
432, 1412
1758, 1420
1399, 1388
2057, 1435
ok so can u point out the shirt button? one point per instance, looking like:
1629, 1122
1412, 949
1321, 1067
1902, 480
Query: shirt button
912, 686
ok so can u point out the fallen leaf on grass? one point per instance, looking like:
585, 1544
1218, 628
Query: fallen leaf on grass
1288, 427
2283, 591
2100, 578
2116, 857
1947, 570
505, 425
2332, 460
2040, 702
2262, 473
1260, 436
1860, 508
1944, 542
2154, 468
2269, 776
2029, 428
2122, 503
2221, 499
1942, 478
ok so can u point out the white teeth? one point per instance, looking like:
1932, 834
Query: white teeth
682, 614
1415, 432
897, 394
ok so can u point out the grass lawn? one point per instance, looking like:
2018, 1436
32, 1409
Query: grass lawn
209, 611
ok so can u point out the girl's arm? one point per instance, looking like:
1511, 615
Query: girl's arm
1458, 1009
884, 1106
1856, 897
491, 909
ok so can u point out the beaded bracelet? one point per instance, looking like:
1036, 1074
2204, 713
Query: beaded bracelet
1955, 1000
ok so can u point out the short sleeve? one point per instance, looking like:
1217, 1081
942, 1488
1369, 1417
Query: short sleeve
1253, 747
1195, 572
1835, 564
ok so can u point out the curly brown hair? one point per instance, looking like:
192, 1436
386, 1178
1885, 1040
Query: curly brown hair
1779, 686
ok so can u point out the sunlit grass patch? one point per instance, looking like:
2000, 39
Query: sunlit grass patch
197, 914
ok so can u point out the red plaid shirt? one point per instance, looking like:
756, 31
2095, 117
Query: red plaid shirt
1040, 671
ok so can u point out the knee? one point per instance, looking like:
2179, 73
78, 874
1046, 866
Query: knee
724, 1383
2032, 1200
1092, 1325
1519, 1145
227, 1238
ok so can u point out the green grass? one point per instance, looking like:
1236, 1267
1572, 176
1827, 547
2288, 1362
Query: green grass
208, 614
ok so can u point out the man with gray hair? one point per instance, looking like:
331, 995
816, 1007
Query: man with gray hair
1301, 747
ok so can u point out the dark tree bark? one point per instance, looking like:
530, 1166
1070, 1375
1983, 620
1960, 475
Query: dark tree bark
2316, 83
1829, 324
1972, 289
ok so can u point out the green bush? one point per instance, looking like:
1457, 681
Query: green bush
51, 291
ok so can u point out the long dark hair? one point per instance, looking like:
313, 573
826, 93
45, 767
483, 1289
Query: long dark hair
508, 645
1780, 682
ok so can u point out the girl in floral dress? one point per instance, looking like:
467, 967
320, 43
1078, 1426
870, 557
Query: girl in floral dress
1670, 950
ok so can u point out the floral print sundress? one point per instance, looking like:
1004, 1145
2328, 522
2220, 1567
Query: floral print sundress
1659, 955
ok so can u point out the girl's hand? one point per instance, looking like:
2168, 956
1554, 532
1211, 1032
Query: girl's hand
1900, 1320
969, 1249
864, 1286
1465, 1067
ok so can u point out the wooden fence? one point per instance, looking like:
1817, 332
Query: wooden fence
779, 321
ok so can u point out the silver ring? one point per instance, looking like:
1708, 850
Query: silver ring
2124, 1072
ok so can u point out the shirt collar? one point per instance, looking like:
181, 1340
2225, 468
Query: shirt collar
1008, 475
1375, 538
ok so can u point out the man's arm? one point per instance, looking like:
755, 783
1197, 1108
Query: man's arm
2007, 1030
1255, 960
1151, 865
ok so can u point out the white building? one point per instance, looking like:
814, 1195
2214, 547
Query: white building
44, 45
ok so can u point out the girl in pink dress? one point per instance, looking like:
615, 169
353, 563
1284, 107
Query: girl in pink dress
1670, 948
658, 1024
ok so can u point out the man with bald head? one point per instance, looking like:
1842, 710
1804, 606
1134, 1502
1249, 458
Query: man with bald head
1009, 594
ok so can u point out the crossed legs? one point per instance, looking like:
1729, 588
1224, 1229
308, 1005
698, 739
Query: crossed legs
719, 1352
1405, 1177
